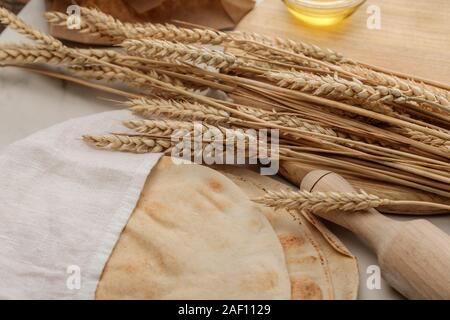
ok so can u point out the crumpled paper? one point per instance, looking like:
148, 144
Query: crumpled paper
217, 14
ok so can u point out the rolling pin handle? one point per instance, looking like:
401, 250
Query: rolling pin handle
413, 255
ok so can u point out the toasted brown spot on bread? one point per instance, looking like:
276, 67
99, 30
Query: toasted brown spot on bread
220, 204
152, 291
289, 241
199, 207
302, 260
130, 269
259, 281
159, 212
152, 207
167, 263
304, 288
215, 185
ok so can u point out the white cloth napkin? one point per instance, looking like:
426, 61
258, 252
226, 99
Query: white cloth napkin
63, 206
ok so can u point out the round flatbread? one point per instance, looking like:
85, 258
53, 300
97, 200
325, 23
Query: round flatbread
319, 265
195, 235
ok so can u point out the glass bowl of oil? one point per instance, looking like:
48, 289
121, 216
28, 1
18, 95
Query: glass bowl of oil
322, 12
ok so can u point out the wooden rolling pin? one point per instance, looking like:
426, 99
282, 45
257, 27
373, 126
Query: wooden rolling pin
414, 256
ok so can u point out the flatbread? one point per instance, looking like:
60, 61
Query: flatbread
195, 235
319, 265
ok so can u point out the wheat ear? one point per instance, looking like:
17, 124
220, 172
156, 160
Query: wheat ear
338, 88
27, 54
8, 18
150, 108
33, 54
179, 52
334, 201
297, 47
99, 23
60, 19
158, 127
424, 138
155, 82
290, 121
321, 201
124, 143
407, 87
204, 140
109, 26
178, 129
105, 73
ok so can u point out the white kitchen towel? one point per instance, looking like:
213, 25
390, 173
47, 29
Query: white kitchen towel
63, 205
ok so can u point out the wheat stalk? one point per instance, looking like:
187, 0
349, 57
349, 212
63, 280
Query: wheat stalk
263, 52
15, 21
26, 54
60, 19
96, 22
333, 201
254, 41
49, 42
10, 19
148, 144
102, 73
424, 138
158, 127
179, 52
395, 167
290, 121
109, 70
150, 108
32, 54
408, 88
101, 24
176, 128
321, 201
293, 121
156, 82
124, 143
105, 73
204, 140
338, 88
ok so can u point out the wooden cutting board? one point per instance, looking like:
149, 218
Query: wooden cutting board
414, 35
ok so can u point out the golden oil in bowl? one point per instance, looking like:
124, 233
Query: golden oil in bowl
322, 12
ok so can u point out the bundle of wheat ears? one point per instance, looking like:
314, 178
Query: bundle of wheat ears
331, 111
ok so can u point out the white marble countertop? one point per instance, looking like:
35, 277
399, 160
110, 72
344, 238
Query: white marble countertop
30, 102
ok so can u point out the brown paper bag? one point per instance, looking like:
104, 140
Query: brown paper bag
217, 14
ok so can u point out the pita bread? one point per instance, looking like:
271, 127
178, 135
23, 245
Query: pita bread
195, 235
319, 265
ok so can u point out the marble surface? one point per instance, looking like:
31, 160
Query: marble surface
30, 102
